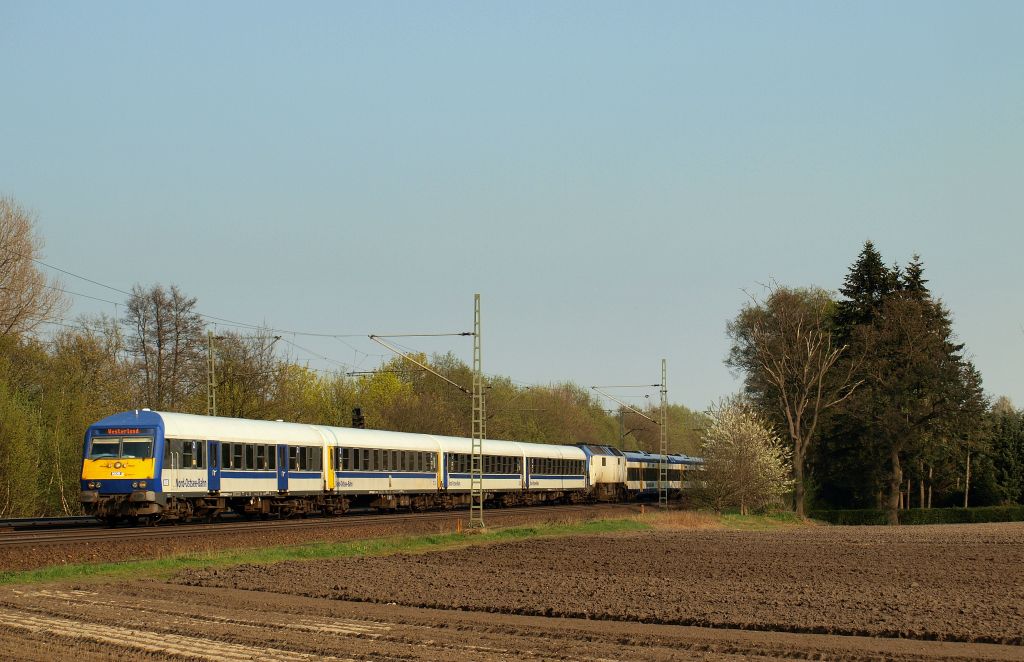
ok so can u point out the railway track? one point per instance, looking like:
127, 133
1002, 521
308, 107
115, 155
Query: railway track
61, 536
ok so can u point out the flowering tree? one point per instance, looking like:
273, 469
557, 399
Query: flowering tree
745, 462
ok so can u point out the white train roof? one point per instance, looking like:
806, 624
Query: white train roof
193, 426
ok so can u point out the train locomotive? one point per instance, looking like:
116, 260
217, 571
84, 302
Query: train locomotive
145, 465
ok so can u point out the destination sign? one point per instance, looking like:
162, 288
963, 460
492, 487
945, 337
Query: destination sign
124, 431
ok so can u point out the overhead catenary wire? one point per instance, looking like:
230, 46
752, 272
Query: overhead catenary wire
224, 321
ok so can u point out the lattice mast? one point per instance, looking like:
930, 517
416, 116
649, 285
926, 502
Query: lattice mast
663, 461
476, 481
211, 376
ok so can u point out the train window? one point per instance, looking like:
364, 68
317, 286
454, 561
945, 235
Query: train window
236, 456
225, 456
200, 455
261, 457
318, 458
250, 456
375, 460
136, 448
187, 455
293, 458
357, 459
604, 461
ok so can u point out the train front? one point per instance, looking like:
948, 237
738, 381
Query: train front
120, 464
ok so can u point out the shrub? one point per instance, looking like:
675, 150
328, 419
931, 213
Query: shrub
927, 516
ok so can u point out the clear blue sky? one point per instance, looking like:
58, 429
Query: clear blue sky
610, 176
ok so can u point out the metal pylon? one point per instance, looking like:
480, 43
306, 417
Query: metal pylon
211, 377
476, 480
663, 461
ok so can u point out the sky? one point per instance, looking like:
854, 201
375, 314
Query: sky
615, 179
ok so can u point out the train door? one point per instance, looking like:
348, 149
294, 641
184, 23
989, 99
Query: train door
332, 462
282, 468
213, 466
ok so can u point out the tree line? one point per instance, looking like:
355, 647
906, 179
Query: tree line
879, 403
57, 377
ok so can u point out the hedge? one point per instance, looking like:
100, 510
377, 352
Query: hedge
926, 516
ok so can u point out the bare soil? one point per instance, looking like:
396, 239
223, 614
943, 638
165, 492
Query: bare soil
158, 621
869, 593
952, 583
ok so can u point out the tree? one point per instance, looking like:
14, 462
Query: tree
246, 372
1006, 448
167, 345
785, 345
921, 402
26, 298
745, 463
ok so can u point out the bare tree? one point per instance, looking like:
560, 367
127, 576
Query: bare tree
247, 374
786, 348
26, 298
166, 344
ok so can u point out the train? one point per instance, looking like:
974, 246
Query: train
149, 466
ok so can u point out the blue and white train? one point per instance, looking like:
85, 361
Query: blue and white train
153, 465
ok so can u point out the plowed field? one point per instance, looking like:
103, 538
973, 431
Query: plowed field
806, 592
956, 583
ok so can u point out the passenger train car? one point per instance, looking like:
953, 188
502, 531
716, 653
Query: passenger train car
153, 465
643, 469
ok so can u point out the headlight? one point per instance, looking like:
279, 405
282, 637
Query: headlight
92, 485
142, 483
98, 484
135, 484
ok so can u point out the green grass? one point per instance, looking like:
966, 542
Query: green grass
166, 566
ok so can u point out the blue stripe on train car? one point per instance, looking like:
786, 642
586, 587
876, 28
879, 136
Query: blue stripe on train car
488, 476
248, 474
383, 474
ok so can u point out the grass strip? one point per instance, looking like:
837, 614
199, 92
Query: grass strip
309, 551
